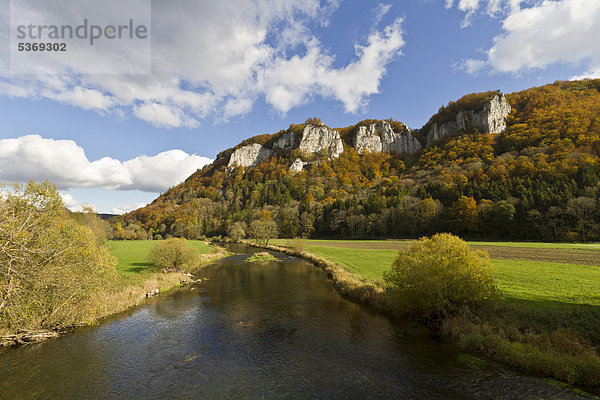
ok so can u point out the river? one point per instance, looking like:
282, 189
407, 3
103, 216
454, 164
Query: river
256, 331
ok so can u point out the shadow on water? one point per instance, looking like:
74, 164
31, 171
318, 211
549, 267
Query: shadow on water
256, 330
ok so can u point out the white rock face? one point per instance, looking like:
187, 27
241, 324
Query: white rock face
285, 142
248, 156
380, 137
316, 138
491, 119
367, 140
297, 165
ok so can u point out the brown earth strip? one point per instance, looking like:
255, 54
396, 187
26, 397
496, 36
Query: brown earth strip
566, 256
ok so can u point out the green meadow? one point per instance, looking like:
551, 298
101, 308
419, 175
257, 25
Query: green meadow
571, 282
133, 255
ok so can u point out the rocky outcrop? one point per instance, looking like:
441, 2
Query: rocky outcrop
380, 137
285, 142
316, 138
248, 156
297, 165
367, 140
490, 119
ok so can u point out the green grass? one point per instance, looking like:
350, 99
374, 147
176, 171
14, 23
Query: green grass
517, 280
392, 243
368, 264
544, 281
133, 255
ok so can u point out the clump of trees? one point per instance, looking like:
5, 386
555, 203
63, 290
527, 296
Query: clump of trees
237, 231
52, 267
438, 276
174, 254
264, 228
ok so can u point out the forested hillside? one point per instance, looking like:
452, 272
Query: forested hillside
539, 179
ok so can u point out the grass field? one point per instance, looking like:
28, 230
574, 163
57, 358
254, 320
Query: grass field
544, 281
402, 243
366, 263
133, 255
546, 271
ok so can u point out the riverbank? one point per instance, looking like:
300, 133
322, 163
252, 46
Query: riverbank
546, 321
345, 282
258, 330
136, 281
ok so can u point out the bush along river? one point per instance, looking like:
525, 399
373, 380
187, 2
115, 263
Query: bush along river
275, 329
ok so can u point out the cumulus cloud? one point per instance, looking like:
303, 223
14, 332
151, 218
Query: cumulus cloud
72, 204
65, 164
547, 32
125, 208
491, 7
216, 58
289, 83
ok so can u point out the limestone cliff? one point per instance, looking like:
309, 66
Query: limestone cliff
490, 119
316, 138
248, 156
297, 165
285, 142
380, 137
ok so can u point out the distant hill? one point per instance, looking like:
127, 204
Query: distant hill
519, 166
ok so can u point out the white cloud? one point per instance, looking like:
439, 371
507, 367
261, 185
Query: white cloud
381, 10
163, 115
565, 31
125, 208
65, 164
216, 58
73, 204
289, 83
88, 99
491, 7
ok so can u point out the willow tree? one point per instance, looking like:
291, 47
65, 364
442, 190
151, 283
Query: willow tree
52, 269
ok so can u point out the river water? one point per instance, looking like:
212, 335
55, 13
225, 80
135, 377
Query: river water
255, 331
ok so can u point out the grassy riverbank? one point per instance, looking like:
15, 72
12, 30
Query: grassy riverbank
546, 321
133, 256
136, 276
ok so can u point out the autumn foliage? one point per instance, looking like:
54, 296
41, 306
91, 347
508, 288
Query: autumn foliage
539, 180
439, 275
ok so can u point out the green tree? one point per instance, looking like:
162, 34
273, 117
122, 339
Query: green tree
237, 231
582, 209
173, 254
463, 215
262, 230
307, 224
51, 266
503, 214
439, 275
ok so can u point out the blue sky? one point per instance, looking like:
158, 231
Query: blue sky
273, 64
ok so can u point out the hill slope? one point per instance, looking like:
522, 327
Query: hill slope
535, 177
